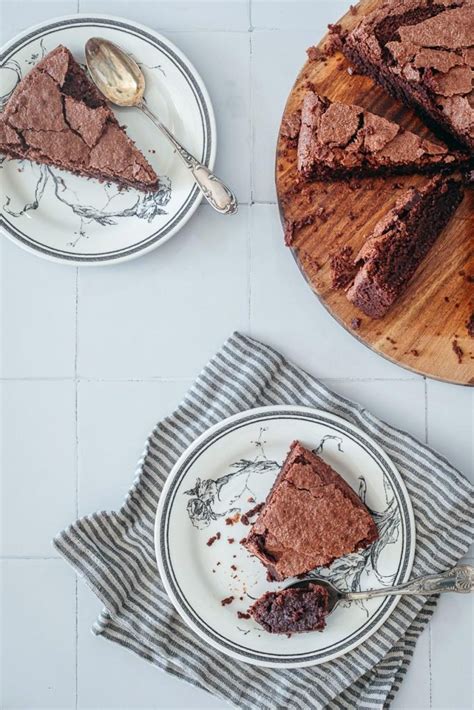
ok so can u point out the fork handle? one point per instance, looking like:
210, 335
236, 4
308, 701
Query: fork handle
219, 196
458, 579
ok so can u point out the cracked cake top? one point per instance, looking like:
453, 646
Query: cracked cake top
57, 116
422, 50
337, 139
311, 517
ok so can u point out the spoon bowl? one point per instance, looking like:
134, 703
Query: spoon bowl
114, 72
334, 594
121, 81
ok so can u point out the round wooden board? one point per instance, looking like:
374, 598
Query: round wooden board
419, 331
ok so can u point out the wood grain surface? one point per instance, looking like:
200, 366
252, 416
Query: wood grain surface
426, 326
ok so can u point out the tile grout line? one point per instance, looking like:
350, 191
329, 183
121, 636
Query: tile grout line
30, 557
251, 127
188, 378
249, 215
76, 482
426, 408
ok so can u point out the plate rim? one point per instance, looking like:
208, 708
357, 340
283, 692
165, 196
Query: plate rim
195, 196
258, 412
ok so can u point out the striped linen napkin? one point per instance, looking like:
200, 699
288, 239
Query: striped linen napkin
114, 551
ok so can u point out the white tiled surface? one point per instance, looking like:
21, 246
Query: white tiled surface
91, 358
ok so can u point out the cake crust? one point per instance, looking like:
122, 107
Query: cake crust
339, 140
56, 116
311, 516
422, 52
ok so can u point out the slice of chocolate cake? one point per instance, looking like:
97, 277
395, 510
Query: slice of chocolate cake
58, 117
292, 611
311, 516
422, 51
343, 140
399, 242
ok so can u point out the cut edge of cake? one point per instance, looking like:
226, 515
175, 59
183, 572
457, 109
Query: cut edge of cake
399, 243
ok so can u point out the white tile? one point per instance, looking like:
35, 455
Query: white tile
38, 634
223, 61
451, 424
414, 693
277, 57
297, 15
400, 403
165, 15
168, 313
110, 676
115, 418
452, 652
286, 314
32, 12
38, 304
38, 465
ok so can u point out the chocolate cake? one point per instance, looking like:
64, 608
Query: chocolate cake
422, 51
292, 610
399, 242
311, 516
58, 117
338, 140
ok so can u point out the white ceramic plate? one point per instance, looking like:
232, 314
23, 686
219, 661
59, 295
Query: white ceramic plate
67, 218
214, 479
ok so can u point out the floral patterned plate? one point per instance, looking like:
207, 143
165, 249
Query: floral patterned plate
222, 475
68, 218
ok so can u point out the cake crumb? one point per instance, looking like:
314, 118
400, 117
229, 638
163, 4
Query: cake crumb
245, 518
343, 268
458, 351
226, 601
470, 325
233, 519
290, 126
314, 53
230, 540
243, 615
233, 568
446, 298
414, 352
353, 9
355, 323
212, 539
250, 499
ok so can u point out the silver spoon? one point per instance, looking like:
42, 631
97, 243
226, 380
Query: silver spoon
121, 81
458, 579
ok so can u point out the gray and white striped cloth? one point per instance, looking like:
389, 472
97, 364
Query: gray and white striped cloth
114, 551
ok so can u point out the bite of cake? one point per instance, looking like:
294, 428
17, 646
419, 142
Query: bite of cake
292, 610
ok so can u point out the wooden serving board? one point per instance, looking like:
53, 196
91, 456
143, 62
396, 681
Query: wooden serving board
420, 330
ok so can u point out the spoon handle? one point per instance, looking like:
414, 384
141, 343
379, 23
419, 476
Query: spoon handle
214, 190
458, 579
